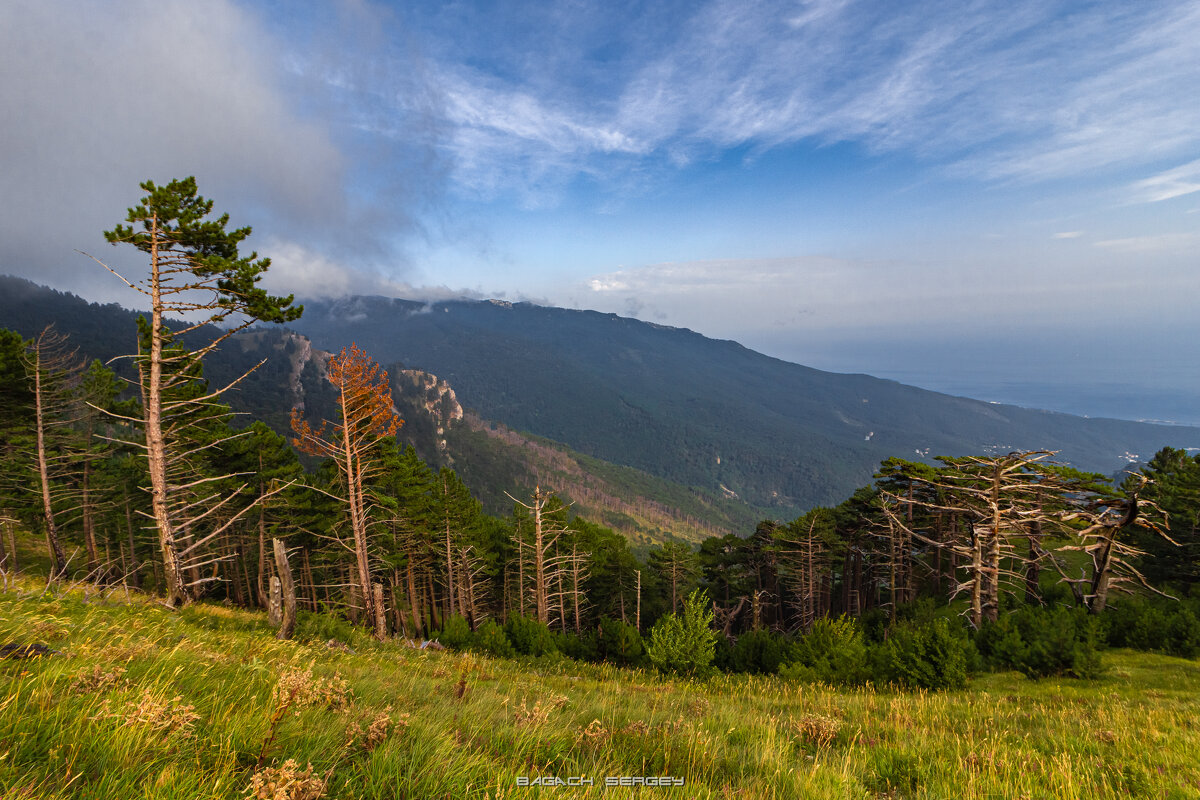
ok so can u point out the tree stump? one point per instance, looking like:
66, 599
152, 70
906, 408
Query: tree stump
287, 623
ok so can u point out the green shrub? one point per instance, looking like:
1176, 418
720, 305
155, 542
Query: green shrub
530, 637
1158, 624
456, 633
621, 643
1043, 642
1183, 634
314, 627
832, 652
684, 644
935, 655
579, 646
491, 639
758, 651
723, 654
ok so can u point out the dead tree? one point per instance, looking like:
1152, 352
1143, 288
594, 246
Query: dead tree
1105, 523
55, 373
538, 567
287, 624
997, 499
368, 416
804, 561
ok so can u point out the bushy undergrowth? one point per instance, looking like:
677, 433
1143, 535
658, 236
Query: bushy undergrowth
832, 652
491, 639
1158, 624
621, 643
312, 627
760, 652
530, 637
456, 632
934, 655
1042, 642
922, 649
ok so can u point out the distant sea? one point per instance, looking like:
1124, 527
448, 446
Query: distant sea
1115, 400
1121, 377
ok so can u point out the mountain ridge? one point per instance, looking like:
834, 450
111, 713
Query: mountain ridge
699, 411
707, 414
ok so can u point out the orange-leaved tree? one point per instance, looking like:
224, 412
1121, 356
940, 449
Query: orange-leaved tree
368, 415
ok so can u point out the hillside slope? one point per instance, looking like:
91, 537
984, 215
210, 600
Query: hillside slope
698, 411
494, 460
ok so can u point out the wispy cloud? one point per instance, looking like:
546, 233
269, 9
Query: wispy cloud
1026, 90
1177, 182
1157, 243
1068, 235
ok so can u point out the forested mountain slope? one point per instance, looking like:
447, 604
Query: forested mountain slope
693, 411
495, 461
698, 411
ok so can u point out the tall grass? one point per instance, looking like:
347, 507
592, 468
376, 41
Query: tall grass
144, 702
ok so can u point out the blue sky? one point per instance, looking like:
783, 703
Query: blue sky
991, 198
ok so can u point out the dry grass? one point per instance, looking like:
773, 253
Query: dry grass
285, 783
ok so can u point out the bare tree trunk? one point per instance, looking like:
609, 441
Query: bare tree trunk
520, 576
283, 570
275, 602
358, 520
57, 556
262, 549
251, 589
85, 507
639, 600
977, 579
156, 448
413, 604
12, 565
234, 560
449, 559
543, 610
397, 617
381, 630
135, 569
312, 582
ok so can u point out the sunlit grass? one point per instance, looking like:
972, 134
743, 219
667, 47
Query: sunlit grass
144, 702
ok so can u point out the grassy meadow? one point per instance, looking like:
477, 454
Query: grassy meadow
142, 702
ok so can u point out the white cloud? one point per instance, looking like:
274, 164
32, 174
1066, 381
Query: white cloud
307, 274
1068, 235
101, 96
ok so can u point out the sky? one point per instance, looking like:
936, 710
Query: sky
994, 199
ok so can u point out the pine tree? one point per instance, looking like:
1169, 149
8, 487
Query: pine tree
197, 273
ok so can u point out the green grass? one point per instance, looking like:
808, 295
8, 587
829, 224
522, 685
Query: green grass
144, 702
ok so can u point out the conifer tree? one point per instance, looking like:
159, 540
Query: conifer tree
195, 273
